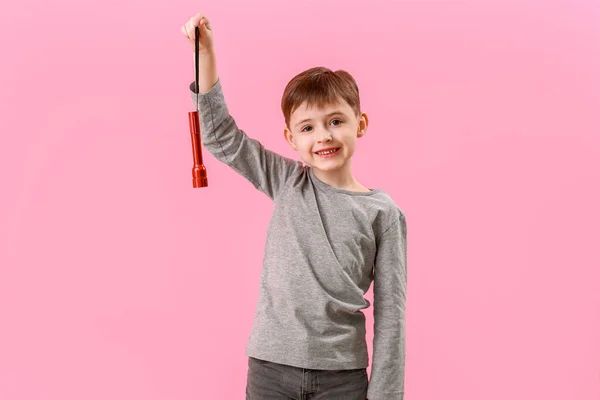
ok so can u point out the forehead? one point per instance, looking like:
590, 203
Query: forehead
316, 111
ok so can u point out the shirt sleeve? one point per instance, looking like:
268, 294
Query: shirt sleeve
266, 170
389, 305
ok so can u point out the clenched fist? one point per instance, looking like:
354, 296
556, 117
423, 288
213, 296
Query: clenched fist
206, 45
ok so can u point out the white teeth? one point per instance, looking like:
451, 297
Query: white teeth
327, 152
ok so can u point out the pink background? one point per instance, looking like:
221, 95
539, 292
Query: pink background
119, 280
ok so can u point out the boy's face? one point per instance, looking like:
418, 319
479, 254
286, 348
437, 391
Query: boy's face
333, 126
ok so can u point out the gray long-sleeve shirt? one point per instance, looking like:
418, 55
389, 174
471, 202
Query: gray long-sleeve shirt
323, 249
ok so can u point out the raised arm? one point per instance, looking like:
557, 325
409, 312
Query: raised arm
268, 171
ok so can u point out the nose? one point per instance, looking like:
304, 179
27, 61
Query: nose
323, 135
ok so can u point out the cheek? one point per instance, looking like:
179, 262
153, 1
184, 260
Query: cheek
304, 145
349, 147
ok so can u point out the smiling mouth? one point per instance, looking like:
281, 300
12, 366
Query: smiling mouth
328, 152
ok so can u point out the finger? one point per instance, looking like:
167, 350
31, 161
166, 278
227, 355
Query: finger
196, 19
203, 27
191, 34
208, 25
201, 18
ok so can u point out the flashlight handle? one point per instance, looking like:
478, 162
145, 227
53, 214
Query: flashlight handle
199, 177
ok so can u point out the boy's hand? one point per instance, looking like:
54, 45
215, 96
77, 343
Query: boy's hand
206, 44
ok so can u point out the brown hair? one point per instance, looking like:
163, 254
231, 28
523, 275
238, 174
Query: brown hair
319, 86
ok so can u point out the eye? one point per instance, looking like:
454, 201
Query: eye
304, 128
339, 120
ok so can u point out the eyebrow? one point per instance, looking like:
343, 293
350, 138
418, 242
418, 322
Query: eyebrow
331, 114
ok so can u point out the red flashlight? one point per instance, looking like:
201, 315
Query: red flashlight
199, 178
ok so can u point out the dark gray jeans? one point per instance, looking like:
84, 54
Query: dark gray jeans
271, 381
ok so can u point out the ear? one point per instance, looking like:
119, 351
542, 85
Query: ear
287, 134
363, 124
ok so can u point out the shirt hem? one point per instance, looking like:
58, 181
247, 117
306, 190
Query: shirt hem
291, 360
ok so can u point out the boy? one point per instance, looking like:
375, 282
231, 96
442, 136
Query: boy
328, 239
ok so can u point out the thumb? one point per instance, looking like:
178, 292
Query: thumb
204, 26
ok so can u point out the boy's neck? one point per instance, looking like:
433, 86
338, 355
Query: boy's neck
340, 179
